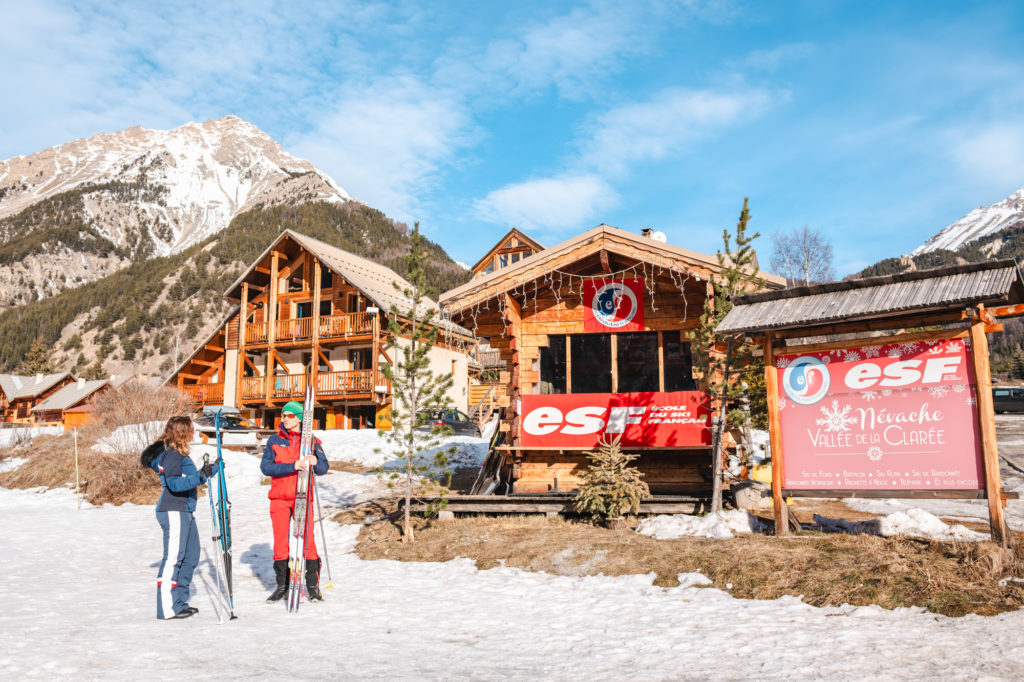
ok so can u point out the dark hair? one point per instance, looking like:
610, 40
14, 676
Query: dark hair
178, 434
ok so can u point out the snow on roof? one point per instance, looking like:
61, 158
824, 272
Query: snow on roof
70, 395
15, 386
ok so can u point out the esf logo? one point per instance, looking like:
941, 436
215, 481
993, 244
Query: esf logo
614, 305
806, 380
582, 420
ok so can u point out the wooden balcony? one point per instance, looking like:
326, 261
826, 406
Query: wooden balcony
204, 394
332, 328
351, 383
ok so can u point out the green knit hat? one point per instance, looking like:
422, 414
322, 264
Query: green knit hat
293, 407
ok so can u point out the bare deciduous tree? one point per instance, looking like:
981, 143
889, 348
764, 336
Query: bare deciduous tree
803, 256
135, 414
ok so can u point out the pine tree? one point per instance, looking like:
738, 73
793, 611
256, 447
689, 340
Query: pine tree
610, 487
713, 355
37, 360
1017, 364
416, 390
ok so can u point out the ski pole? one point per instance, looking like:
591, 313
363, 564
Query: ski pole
323, 538
215, 536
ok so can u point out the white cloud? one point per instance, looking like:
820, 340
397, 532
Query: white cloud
991, 156
664, 125
385, 143
567, 201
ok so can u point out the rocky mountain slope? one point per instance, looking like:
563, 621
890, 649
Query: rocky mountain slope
982, 222
82, 210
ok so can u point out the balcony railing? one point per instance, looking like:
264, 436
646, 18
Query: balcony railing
328, 384
297, 329
204, 394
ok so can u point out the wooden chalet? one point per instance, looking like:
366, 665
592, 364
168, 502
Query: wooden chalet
55, 409
309, 309
19, 394
509, 250
593, 334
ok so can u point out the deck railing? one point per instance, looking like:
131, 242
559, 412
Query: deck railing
204, 394
333, 384
331, 327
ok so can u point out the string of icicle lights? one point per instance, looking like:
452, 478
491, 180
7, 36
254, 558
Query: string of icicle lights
529, 285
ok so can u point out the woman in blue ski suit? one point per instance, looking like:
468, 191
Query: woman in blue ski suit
180, 480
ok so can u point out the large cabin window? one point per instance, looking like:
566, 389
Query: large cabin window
637, 356
582, 363
326, 278
295, 281
591, 363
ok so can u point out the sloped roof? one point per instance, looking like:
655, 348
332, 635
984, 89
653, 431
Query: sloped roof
996, 282
216, 330
372, 279
602, 236
70, 395
524, 238
15, 386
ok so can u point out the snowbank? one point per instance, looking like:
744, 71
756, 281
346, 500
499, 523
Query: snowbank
368, 448
720, 526
13, 436
913, 522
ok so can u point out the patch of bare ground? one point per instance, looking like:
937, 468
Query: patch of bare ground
104, 478
953, 579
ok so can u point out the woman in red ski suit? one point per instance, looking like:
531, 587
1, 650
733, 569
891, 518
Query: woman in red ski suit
281, 462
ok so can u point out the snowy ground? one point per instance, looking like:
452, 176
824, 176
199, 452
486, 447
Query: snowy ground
78, 595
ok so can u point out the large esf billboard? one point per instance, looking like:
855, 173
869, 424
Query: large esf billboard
893, 416
581, 420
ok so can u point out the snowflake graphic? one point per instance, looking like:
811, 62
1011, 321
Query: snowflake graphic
869, 395
894, 354
782, 403
908, 348
782, 363
851, 356
837, 418
874, 453
959, 388
954, 347
971, 400
937, 350
938, 391
871, 351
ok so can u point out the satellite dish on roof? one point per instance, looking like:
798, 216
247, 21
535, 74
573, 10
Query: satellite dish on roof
659, 236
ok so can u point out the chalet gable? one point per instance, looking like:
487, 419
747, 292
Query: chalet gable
509, 250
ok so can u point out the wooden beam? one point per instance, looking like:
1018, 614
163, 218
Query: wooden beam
771, 379
215, 349
987, 429
1007, 310
327, 360
254, 367
944, 334
260, 268
606, 266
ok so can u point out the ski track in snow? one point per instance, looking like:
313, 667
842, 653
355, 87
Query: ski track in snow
79, 603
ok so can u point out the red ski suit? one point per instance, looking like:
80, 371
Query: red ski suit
278, 462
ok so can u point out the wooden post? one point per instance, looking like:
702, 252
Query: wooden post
514, 324
375, 357
243, 317
771, 379
661, 362
615, 362
271, 318
987, 428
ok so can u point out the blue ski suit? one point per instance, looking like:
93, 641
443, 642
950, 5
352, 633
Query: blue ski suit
179, 479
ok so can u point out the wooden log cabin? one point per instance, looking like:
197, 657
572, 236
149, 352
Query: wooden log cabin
20, 394
308, 309
593, 333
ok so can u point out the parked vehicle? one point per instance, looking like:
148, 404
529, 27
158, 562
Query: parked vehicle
1007, 399
459, 422
230, 421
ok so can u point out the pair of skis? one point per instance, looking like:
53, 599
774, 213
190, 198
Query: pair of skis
302, 515
220, 521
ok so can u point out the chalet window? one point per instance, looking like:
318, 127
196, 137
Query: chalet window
591, 363
637, 356
325, 307
307, 363
303, 309
356, 303
678, 365
489, 269
326, 278
515, 257
552, 365
503, 260
360, 359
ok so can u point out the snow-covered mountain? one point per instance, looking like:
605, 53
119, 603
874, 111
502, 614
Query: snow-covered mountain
81, 210
981, 222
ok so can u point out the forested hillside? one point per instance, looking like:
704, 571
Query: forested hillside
148, 316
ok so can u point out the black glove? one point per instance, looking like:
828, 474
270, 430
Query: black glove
207, 470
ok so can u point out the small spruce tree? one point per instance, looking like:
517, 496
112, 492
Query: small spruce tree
610, 487
712, 355
37, 360
416, 390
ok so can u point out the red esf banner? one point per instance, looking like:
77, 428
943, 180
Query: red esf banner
895, 416
613, 305
580, 420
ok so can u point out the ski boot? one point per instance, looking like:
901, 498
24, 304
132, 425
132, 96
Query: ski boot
281, 573
313, 580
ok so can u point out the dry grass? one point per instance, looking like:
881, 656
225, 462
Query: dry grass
105, 478
826, 570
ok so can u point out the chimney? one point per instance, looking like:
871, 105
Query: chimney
81, 382
39, 378
647, 232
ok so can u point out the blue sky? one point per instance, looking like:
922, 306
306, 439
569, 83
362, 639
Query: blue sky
875, 123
